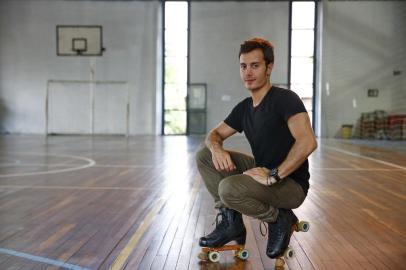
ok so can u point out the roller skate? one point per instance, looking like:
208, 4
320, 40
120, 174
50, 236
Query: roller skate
230, 228
279, 236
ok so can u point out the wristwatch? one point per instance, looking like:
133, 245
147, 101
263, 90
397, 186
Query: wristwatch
274, 173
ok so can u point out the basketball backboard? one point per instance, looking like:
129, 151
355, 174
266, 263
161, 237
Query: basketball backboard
79, 40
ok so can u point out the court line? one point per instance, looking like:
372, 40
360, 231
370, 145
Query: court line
90, 163
365, 157
74, 187
129, 248
70, 165
42, 259
36, 165
15, 164
152, 166
125, 166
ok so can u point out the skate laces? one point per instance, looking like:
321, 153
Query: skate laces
276, 231
262, 224
263, 229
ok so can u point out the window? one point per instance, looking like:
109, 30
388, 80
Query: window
302, 51
175, 64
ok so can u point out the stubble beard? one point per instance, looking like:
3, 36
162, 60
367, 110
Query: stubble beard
259, 87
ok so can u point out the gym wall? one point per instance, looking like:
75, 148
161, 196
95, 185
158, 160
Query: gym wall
28, 57
363, 43
217, 30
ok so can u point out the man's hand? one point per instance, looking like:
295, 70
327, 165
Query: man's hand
222, 160
214, 141
260, 174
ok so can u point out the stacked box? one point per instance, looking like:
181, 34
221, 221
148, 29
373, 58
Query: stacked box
381, 125
367, 126
397, 127
374, 125
404, 128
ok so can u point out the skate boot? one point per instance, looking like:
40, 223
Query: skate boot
279, 233
231, 227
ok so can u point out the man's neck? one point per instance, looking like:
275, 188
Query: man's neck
258, 95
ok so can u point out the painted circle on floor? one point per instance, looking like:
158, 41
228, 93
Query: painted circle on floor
8, 162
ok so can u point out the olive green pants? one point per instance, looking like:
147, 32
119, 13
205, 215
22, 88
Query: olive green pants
242, 193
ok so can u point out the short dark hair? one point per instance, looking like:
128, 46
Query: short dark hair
258, 43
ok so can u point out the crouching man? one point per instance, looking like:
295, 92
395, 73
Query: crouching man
276, 180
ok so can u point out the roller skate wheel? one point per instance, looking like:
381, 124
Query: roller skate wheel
303, 226
214, 256
203, 256
243, 254
289, 253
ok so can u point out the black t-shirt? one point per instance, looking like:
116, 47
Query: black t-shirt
266, 129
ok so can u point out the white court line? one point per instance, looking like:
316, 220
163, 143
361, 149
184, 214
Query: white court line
365, 157
70, 166
125, 166
74, 187
42, 259
15, 164
36, 165
90, 163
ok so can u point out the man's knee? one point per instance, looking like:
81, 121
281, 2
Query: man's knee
202, 155
231, 189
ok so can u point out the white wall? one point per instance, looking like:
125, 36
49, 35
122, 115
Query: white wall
217, 30
363, 43
28, 57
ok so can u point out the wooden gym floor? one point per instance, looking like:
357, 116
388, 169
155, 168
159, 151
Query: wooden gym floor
78, 202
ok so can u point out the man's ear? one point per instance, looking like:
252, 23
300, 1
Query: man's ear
269, 69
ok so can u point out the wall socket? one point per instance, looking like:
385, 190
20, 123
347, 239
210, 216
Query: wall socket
225, 98
373, 92
397, 72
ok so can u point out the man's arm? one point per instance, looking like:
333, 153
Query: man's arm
305, 143
214, 141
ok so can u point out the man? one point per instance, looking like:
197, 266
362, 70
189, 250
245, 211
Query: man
276, 180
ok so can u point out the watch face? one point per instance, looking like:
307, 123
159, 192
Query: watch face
274, 173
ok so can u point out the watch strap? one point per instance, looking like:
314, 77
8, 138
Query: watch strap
275, 174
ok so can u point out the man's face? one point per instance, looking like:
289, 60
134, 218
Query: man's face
253, 70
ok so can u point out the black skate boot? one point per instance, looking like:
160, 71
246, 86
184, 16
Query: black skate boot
279, 233
231, 227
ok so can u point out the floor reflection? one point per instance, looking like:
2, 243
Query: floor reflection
237, 264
